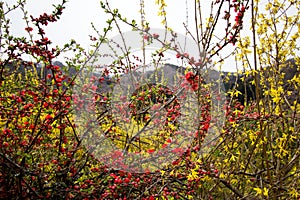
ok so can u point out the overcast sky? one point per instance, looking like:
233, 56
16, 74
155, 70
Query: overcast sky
75, 22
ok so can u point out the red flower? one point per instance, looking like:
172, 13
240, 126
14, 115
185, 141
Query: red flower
151, 198
231, 120
54, 161
205, 127
5, 144
151, 150
189, 76
29, 29
146, 37
48, 117
169, 140
68, 98
177, 150
175, 162
101, 79
56, 68
195, 86
155, 36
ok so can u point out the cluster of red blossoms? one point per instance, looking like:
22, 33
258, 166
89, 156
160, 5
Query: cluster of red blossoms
193, 80
45, 18
240, 10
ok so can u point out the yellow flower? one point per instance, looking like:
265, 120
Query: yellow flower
193, 175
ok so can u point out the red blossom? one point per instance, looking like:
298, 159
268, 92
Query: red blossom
189, 76
146, 37
151, 150
48, 117
155, 36
28, 29
195, 86
205, 127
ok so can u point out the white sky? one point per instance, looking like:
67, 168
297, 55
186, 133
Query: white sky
75, 22
76, 18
